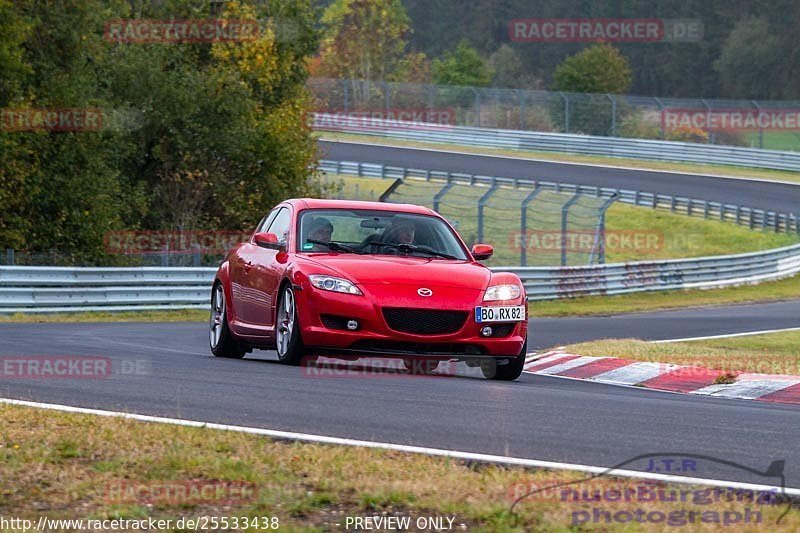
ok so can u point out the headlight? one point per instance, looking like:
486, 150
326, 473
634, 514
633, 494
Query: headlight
502, 292
329, 283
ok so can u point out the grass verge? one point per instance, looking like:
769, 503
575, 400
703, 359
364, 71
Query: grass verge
73, 466
721, 170
785, 289
178, 315
771, 353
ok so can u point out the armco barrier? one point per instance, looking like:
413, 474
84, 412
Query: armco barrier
754, 218
54, 289
547, 283
570, 143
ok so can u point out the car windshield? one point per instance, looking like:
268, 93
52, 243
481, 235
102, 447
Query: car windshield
377, 233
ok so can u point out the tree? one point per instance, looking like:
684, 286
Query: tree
364, 39
509, 70
750, 56
599, 68
463, 66
215, 134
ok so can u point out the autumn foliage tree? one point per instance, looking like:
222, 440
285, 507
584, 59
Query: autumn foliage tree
368, 40
210, 135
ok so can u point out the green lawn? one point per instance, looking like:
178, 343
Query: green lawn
785, 289
772, 353
74, 466
776, 140
179, 315
633, 233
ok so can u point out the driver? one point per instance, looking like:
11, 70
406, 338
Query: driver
321, 230
400, 233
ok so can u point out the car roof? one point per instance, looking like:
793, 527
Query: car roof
316, 203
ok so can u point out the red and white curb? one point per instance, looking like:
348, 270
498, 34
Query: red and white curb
776, 388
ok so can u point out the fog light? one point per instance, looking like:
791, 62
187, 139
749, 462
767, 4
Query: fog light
486, 331
352, 325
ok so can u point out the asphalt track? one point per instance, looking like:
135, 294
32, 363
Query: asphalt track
166, 370
775, 196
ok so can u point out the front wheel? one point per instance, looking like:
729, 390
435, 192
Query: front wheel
287, 331
511, 370
220, 338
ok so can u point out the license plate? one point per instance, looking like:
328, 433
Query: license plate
504, 313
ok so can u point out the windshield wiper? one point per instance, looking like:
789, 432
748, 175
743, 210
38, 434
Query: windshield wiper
413, 248
335, 246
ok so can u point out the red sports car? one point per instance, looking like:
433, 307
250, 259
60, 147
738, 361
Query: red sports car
367, 279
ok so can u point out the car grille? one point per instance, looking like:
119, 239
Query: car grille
424, 321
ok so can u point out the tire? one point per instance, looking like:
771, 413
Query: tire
510, 371
288, 342
219, 334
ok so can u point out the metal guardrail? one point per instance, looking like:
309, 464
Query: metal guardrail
569, 143
543, 283
59, 289
754, 218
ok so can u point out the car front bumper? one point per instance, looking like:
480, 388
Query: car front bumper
374, 337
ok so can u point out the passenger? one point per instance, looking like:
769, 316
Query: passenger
320, 230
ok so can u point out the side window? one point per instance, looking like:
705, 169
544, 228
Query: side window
280, 224
265, 222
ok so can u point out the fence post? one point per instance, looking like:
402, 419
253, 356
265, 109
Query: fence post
613, 115
10, 256
661, 113
523, 224
708, 121
521, 99
477, 106
481, 204
346, 97
600, 234
564, 214
439, 195
760, 127
566, 111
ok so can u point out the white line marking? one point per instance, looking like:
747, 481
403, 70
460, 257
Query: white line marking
747, 389
634, 373
568, 365
548, 359
729, 335
437, 452
577, 164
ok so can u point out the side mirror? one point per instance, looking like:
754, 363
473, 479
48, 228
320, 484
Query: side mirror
270, 241
482, 251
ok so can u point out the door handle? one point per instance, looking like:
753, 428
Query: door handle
247, 267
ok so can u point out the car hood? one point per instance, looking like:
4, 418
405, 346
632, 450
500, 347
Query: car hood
397, 270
